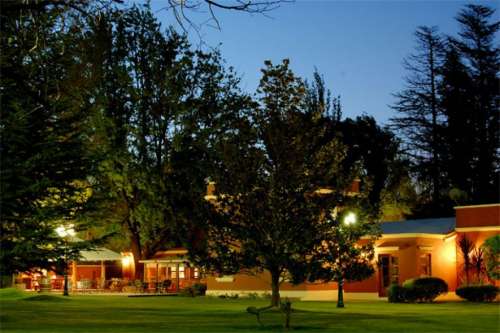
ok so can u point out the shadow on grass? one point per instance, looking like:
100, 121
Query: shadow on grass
45, 298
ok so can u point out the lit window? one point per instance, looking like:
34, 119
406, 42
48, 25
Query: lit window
173, 272
181, 272
425, 265
196, 273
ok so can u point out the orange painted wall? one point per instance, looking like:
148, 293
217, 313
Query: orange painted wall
443, 265
478, 216
88, 272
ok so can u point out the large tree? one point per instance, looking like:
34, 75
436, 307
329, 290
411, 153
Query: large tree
44, 163
449, 114
419, 119
481, 54
159, 106
286, 173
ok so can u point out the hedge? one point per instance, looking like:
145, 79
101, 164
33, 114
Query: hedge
424, 289
478, 293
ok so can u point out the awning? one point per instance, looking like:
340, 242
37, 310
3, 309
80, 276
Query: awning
101, 253
172, 256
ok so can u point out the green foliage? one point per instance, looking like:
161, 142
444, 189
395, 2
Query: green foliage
478, 293
424, 289
199, 289
161, 109
42, 132
491, 248
396, 293
266, 213
448, 113
466, 247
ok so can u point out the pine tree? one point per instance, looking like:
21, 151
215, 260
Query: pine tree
460, 133
482, 58
420, 121
43, 159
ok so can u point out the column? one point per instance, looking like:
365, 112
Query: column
177, 277
103, 275
73, 276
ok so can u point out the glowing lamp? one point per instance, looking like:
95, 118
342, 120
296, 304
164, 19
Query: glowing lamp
126, 261
63, 231
350, 219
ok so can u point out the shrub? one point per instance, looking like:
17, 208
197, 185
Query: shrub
491, 248
424, 289
478, 293
396, 293
199, 289
187, 292
229, 296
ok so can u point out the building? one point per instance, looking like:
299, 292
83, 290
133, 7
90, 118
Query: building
98, 269
173, 266
407, 249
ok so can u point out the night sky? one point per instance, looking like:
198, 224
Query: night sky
357, 46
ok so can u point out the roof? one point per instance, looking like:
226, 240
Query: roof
175, 252
440, 226
175, 255
100, 253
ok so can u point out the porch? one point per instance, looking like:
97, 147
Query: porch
170, 271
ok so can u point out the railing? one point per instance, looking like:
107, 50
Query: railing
113, 285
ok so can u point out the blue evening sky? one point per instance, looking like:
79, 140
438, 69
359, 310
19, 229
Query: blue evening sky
357, 46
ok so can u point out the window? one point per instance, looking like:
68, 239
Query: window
173, 272
425, 264
394, 269
196, 273
181, 272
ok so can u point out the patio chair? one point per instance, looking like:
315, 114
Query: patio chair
140, 286
163, 288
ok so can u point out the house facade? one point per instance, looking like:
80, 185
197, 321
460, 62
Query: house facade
172, 266
406, 249
97, 269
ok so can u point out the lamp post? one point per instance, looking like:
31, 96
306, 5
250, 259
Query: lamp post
64, 232
349, 219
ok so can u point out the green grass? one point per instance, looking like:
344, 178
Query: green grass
32, 313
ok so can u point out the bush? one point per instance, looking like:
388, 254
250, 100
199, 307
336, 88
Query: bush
478, 293
491, 249
417, 290
199, 289
424, 289
396, 293
187, 292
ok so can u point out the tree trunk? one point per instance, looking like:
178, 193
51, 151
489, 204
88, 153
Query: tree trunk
136, 251
275, 287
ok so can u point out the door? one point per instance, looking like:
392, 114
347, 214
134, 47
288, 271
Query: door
388, 272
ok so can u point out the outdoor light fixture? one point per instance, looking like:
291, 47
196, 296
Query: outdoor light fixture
350, 218
64, 232
126, 261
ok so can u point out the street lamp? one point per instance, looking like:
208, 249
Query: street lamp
349, 219
65, 232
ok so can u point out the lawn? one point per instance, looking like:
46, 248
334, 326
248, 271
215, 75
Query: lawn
22, 313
